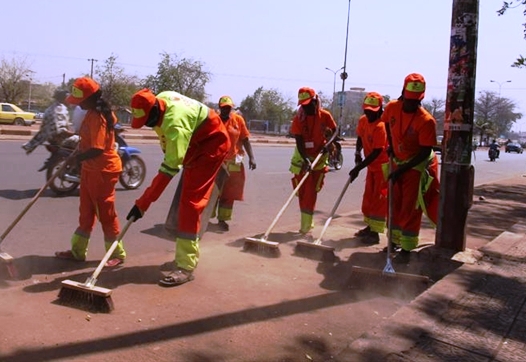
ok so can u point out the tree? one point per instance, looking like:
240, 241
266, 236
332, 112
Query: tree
494, 115
437, 110
185, 76
506, 5
268, 105
14, 79
117, 86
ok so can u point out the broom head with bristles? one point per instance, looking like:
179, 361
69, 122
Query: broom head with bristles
389, 283
9, 263
262, 246
93, 299
314, 250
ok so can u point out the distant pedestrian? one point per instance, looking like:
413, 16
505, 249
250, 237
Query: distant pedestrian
194, 138
100, 171
239, 144
412, 135
372, 138
312, 126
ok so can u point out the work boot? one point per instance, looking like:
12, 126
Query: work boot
223, 225
402, 257
370, 239
363, 232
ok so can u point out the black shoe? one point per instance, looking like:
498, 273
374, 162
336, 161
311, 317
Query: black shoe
395, 248
363, 232
402, 257
371, 239
223, 225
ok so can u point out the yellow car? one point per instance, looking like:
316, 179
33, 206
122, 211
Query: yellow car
11, 114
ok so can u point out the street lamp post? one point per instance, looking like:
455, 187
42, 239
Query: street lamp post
29, 96
334, 72
500, 84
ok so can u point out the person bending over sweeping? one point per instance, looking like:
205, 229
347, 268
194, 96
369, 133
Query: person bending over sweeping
312, 126
101, 167
372, 138
194, 138
411, 132
235, 183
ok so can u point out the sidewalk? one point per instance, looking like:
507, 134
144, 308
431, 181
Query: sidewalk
277, 309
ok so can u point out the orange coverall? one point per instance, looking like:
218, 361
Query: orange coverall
374, 202
417, 190
313, 129
235, 184
98, 177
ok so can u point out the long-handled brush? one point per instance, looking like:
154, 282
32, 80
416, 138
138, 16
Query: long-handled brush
304, 247
362, 276
7, 259
263, 241
87, 295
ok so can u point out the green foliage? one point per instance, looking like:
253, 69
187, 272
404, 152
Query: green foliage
269, 105
14, 79
494, 115
506, 5
116, 85
185, 76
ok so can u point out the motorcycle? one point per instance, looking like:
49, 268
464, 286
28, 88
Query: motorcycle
68, 180
335, 154
492, 154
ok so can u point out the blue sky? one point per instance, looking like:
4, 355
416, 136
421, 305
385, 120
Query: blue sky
282, 44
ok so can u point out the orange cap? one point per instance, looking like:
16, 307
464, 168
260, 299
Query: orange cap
82, 89
141, 104
225, 101
372, 101
414, 86
305, 94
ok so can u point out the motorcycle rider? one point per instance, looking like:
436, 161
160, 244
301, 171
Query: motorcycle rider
496, 147
54, 127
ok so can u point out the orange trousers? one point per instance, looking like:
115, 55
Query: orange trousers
97, 200
308, 192
407, 215
207, 150
374, 202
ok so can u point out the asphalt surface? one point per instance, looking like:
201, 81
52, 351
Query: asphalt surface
258, 305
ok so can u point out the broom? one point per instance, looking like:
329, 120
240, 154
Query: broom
87, 295
362, 276
327, 251
263, 241
272, 245
7, 259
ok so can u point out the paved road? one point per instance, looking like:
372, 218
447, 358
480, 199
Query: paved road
241, 307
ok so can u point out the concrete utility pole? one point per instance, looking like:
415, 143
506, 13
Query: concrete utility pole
457, 174
92, 60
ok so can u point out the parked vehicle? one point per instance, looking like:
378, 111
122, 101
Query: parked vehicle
11, 114
513, 147
133, 167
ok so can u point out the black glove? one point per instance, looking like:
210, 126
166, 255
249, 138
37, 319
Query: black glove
389, 151
307, 164
395, 175
357, 159
354, 173
135, 213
